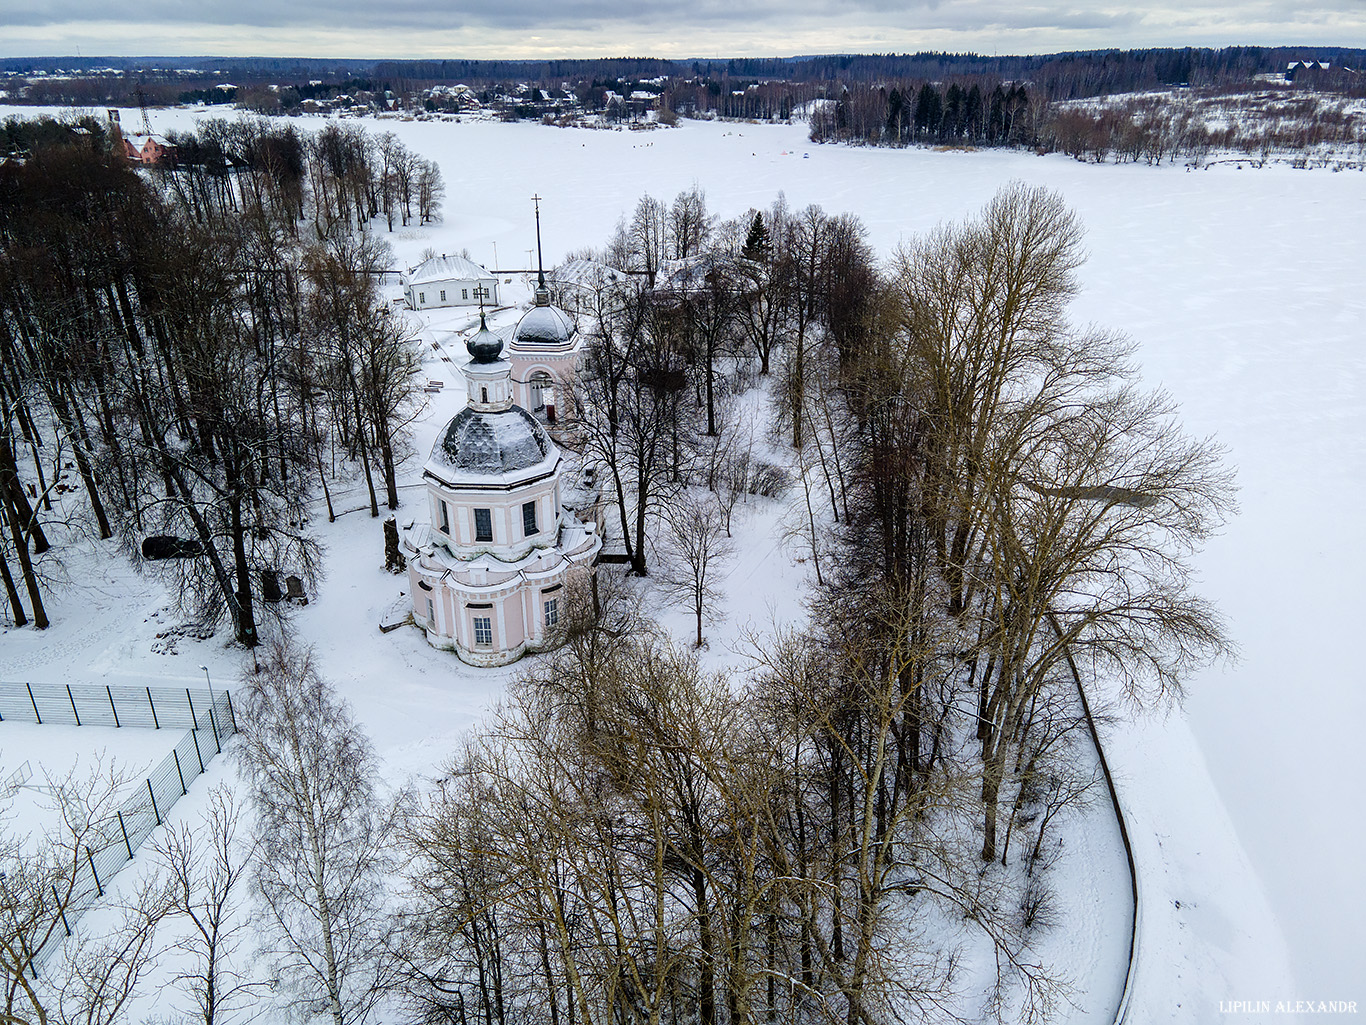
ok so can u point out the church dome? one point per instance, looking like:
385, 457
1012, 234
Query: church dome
484, 346
544, 324
488, 444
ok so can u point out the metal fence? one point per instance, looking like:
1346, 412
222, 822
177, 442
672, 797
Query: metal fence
75, 704
208, 719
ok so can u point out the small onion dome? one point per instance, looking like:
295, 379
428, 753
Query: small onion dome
544, 324
492, 444
484, 346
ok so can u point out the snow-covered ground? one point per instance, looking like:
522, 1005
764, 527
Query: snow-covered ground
1243, 291
35, 761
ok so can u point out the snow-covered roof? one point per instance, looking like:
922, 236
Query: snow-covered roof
690, 273
492, 447
584, 274
544, 325
446, 268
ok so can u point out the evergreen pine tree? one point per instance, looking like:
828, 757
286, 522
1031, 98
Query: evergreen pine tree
757, 244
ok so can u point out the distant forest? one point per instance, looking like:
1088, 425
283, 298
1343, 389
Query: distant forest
1154, 105
1053, 77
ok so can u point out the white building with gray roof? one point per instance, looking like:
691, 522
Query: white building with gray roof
450, 281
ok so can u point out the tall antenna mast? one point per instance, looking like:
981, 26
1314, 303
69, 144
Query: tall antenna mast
142, 104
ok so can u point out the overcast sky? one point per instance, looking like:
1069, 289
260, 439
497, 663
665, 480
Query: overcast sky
660, 28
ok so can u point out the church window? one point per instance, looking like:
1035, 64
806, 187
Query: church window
464, 293
483, 395
445, 518
483, 630
529, 518
443, 295
431, 614
552, 612
483, 525
421, 298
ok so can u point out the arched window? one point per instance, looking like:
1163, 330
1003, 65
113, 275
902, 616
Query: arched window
541, 385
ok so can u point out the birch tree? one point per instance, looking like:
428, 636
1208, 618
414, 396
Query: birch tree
320, 836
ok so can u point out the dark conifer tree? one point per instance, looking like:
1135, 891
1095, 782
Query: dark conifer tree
757, 244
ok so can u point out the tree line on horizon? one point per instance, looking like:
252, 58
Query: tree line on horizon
797, 80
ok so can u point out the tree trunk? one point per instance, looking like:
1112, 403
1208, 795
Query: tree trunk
706, 983
30, 576
993, 770
14, 490
245, 617
79, 446
12, 592
386, 455
364, 453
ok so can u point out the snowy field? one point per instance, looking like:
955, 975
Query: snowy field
1243, 291
47, 755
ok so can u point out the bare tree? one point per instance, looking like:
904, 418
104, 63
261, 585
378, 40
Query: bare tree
102, 973
431, 190
52, 971
1050, 488
646, 237
388, 151
695, 545
319, 837
207, 868
369, 352
635, 418
689, 226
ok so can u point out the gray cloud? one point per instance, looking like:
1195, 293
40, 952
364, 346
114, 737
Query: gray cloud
533, 28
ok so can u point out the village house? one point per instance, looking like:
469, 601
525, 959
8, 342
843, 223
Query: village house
148, 149
449, 281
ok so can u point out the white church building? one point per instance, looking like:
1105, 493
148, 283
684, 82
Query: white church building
449, 281
488, 572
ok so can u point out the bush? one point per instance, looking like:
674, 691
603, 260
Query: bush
767, 479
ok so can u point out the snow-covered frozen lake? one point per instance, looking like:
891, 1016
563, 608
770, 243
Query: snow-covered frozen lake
1243, 290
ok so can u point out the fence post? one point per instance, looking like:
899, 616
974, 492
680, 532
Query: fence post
90, 858
194, 719
214, 723
153, 706
232, 715
61, 908
34, 703
73, 704
112, 707
194, 735
153, 795
124, 830
184, 790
